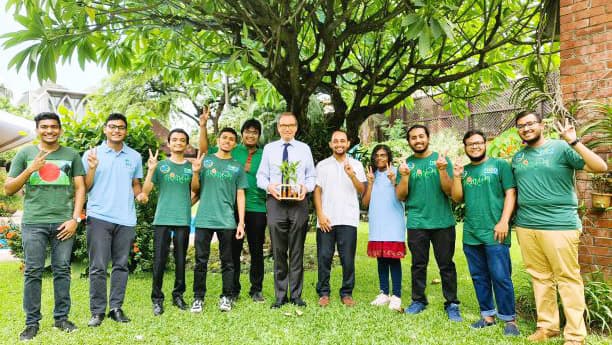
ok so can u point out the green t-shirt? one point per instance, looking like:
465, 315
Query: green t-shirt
219, 181
255, 197
545, 185
427, 205
484, 191
49, 192
174, 202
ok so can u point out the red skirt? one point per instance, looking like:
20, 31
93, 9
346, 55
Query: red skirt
390, 250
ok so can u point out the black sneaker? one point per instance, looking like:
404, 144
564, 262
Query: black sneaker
258, 297
158, 309
29, 332
179, 302
65, 326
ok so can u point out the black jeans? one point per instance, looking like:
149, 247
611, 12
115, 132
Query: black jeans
255, 233
443, 242
345, 237
161, 244
203, 237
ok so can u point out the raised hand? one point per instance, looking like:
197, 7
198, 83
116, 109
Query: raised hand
566, 130
142, 198
196, 165
39, 161
204, 116
370, 175
441, 162
92, 158
457, 169
404, 170
391, 173
152, 162
348, 169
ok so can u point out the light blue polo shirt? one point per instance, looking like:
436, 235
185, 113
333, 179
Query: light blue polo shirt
111, 198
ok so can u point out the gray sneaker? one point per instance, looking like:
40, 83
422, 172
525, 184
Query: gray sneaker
225, 304
196, 306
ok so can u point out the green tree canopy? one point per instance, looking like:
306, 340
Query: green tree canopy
369, 55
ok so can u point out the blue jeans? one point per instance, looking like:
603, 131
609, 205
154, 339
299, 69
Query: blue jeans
394, 266
35, 240
491, 271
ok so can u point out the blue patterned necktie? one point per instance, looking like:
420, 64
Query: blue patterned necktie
285, 158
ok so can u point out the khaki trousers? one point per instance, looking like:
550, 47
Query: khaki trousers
551, 258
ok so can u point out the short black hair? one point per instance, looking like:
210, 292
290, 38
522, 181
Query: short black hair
47, 116
527, 113
472, 132
378, 148
251, 123
228, 130
418, 126
178, 130
116, 116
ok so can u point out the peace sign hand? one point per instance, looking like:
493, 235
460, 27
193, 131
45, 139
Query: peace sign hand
370, 175
403, 169
566, 130
196, 165
348, 169
152, 162
441, 162
204, 115
92, 158
391, 173
458, 169
39, 161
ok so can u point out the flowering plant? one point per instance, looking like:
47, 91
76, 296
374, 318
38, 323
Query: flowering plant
10, 237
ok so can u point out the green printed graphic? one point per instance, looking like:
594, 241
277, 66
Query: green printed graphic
54, 172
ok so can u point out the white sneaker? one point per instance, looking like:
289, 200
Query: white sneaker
196, 306
395, 303
381, 299
225, 304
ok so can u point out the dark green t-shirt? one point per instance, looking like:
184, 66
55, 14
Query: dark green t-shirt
545, 185
427, 205
49, 192
174, 202
484, 191
255, 197
219, 181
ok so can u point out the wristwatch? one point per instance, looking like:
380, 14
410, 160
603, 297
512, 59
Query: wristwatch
77, 219
573, 143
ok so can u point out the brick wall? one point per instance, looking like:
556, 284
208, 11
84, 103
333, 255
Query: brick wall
586, 74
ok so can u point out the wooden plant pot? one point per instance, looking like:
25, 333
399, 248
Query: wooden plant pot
289, 191
600, 200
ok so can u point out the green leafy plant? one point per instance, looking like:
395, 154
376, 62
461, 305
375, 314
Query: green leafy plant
598, 296
10, 233
505, 145
598, 131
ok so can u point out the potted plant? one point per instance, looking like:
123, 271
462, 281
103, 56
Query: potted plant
289, 189
601, 190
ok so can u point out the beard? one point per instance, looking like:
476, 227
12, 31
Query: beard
421, 150
477, 159
534, 140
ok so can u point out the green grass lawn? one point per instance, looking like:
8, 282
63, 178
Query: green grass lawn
251, 323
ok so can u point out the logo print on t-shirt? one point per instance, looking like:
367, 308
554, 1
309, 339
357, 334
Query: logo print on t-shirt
208, 163
54, 172
164, 169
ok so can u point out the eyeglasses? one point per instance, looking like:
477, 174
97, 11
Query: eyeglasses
475, 144
289, 126
526, 125
119, 128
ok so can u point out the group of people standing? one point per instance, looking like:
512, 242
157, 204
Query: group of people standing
239, 191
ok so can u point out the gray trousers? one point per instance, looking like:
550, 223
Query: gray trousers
288, 223
107, 241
